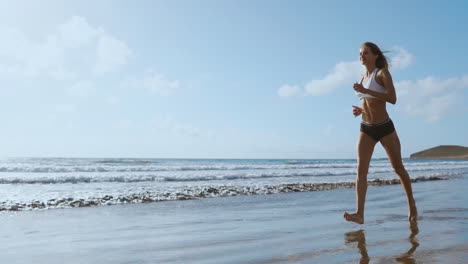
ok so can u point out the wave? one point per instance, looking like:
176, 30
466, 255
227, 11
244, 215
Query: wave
238, 167
207, 177
152, 178
62, 169
126, 161
196, 192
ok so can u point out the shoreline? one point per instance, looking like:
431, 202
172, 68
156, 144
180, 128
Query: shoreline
200, 193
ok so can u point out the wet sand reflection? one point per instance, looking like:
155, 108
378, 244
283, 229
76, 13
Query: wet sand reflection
359, 237
408, 256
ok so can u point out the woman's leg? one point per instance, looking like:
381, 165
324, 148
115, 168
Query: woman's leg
365, 148
392, 146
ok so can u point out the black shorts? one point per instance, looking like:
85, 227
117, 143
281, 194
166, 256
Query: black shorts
379, 130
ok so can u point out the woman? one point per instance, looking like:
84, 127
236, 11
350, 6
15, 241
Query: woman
375, 90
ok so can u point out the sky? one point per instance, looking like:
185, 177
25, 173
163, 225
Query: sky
223, 78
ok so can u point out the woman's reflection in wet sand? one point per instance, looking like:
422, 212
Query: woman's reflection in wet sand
406, 258
360, 238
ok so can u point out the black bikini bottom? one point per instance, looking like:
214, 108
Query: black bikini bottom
379, 130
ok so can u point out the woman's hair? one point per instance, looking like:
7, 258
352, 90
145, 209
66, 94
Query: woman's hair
381, 61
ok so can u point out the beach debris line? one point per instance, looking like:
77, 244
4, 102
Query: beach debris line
194, 193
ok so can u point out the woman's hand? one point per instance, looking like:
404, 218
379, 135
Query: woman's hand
357, 111
359, 88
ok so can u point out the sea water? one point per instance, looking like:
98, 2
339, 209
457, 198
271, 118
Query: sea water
45, 183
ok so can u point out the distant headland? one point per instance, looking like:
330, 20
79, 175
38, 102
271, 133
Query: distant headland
442, 152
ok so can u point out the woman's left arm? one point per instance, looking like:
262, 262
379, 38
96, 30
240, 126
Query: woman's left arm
390, 95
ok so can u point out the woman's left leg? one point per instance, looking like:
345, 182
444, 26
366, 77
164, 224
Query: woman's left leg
391, 144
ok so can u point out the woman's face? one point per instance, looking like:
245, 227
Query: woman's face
366, 56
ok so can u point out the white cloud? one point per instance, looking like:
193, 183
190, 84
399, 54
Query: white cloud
66, 53
78, 32
160, 85
431, 98
154, 82
112, 54
20, 55
342, 74
403, 59
288, 91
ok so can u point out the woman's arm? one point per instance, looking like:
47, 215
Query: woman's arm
389, 96
357, 111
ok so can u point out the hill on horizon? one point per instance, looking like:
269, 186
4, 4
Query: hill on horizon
442, 152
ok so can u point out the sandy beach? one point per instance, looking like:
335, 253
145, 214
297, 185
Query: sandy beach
304, 227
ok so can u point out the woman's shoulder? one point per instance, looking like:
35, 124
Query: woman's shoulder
383, 73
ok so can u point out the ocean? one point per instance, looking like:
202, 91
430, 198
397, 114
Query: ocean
48, 183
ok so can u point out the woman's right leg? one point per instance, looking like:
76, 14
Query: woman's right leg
365, 148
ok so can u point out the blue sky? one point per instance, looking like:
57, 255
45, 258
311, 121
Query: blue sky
223, 79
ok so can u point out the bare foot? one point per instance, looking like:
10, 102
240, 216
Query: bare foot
354, 218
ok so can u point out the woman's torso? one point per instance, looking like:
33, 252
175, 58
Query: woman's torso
375, 110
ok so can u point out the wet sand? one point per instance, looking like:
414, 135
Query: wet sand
305, 227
